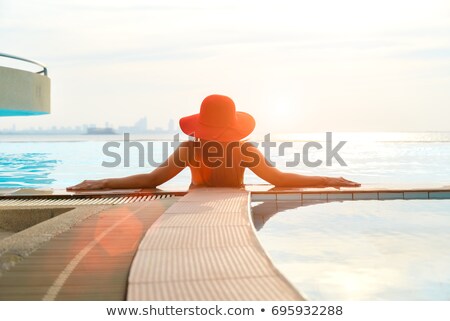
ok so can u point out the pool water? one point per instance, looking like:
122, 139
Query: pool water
59, 161
360, 250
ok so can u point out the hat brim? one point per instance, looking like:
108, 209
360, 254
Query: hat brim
244, 125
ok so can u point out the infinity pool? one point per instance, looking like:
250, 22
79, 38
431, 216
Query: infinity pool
360, 250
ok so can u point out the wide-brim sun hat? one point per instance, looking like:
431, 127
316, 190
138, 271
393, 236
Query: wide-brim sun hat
218, 120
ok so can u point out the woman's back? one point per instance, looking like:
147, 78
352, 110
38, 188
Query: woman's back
215, 164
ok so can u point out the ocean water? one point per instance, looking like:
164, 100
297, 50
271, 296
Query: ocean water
360, 250
373, 159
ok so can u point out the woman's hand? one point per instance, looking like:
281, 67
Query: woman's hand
89, 185
340, 182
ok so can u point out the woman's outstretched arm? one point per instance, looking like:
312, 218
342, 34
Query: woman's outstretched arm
272, 175
167, 170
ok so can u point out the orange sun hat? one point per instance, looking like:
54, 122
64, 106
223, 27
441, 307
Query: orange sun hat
218, 120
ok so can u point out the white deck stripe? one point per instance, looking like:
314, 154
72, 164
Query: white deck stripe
79, 201
56, 287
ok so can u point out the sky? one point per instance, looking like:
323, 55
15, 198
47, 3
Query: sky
296, 66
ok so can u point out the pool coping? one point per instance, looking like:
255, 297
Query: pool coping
180, 191
258, 193
376, 194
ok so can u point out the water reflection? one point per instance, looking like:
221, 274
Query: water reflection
263, 211
360, 250
26, 170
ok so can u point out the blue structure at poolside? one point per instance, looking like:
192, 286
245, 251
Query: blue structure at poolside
24, 93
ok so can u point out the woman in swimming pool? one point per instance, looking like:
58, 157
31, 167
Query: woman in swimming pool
217, 157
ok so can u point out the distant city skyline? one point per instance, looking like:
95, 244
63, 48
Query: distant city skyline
139, 127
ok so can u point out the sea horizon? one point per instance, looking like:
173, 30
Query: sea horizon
373, 136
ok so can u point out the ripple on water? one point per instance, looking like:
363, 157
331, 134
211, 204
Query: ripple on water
26, 170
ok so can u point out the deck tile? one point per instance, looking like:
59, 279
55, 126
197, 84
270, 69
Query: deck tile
204, 248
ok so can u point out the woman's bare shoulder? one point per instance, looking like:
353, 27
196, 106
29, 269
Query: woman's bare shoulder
184, 150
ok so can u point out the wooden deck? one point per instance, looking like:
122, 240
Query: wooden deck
91, 261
